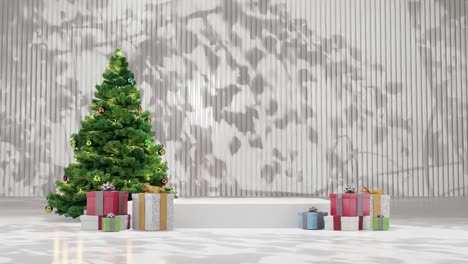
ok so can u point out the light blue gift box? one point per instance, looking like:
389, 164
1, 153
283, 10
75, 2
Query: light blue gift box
311, 220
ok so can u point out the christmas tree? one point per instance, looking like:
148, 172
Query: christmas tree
115, 144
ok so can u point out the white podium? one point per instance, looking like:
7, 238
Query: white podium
241, 212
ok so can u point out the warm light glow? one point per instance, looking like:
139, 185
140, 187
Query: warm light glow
56, 250
129, 251
64, 252
79, 251
60, 250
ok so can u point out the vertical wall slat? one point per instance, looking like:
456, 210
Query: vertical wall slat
463, 80
4, 90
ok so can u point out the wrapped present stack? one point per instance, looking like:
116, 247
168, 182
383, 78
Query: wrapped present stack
106, 208
347, 210
379, 218
352, 211
153, 210
312, 219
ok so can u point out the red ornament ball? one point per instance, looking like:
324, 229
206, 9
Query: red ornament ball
65, 178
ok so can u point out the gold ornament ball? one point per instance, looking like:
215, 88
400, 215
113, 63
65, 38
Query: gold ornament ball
161, 152
101, 109
49, 209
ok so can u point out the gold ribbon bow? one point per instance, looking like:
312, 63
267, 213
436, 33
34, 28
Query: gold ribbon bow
366, 190
376, 194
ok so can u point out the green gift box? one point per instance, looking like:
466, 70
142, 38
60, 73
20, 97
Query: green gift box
381, 223
110, 224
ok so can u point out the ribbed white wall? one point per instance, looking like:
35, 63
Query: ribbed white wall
250, 98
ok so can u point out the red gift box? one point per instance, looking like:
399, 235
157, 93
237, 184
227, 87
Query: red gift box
349, 204
105, 202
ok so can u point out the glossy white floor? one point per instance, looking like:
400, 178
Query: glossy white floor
423, 231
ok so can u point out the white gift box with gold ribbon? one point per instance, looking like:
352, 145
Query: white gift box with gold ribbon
153, 212
380, 204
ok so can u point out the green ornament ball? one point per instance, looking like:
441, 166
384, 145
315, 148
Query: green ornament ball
97, 178
73, 143
88, 143
147, 142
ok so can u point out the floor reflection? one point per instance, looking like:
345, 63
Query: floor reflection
129, 251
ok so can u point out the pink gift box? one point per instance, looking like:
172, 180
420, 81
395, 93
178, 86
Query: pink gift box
105, 202
349, 204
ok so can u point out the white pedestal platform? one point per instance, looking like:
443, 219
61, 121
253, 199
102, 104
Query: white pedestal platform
242, 212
